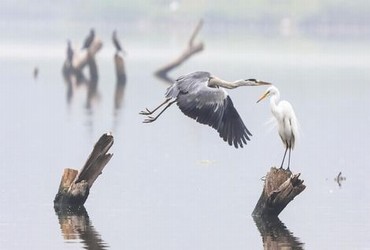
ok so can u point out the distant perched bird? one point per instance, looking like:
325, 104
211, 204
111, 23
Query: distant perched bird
89, 39
203, 97
69, 52
35, 72
286, 120
116, 43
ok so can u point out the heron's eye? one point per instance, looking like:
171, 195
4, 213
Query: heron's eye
251, 80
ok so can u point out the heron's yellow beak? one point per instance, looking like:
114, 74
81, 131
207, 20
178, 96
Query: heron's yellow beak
263, 96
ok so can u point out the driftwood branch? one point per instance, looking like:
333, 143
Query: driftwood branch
82, 59
75, 186
281, 187
190, 50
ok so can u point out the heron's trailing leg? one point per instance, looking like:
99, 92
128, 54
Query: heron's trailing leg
152, 119
281, 166
148, 112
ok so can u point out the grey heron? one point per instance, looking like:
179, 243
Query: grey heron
285, 118
89, 39
203, 97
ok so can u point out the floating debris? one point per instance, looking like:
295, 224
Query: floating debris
339, 179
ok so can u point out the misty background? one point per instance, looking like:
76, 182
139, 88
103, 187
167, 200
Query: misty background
175, 184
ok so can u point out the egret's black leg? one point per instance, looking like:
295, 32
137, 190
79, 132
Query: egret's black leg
290, 150
148, 112
281, 166
152, 119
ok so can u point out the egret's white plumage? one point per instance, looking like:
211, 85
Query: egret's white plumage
285, 117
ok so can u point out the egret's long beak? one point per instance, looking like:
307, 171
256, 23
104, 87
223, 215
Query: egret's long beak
263, 96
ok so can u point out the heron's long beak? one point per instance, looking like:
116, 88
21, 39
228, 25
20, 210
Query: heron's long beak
263, 96
262, 83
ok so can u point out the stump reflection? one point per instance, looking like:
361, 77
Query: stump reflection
275, 235
75, 225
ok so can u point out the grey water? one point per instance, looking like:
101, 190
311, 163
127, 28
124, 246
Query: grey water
174, 184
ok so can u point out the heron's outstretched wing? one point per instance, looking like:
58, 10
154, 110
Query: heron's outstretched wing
212, 106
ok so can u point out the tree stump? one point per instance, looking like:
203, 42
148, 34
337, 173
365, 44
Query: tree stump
75, 186
281, 187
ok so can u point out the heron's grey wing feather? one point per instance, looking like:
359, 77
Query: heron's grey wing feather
212, 106
188, 83
232, 128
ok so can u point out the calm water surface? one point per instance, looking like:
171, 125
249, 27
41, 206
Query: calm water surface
175, 184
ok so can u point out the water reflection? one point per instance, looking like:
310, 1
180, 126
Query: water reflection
75, 225
74, 65
275, 235
92, 90
121, 81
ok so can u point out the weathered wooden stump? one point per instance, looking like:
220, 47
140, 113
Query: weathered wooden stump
190, 50
75, 186
281, 187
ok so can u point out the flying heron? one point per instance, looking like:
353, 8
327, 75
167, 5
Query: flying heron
203, 97
286, 120
89, 39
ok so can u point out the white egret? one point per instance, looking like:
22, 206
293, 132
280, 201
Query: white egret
286, 120
203, 97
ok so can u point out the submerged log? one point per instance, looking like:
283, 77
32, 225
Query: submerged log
75, 186
281, 187
190, 50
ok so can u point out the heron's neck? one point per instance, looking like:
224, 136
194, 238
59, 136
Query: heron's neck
214, 81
